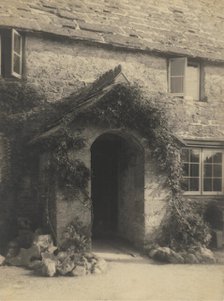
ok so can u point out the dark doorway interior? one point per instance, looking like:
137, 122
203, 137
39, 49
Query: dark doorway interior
105, 177
117, 163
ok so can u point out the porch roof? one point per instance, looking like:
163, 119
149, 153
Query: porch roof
75, 103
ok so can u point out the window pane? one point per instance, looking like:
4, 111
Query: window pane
208, 156
217, 170
194, 155
194, 170
177, 85
218, 158
217, 185
186, 170
207, 184
185, 184
177, 67
185, 155
16, 64
208, 170
17, 41
194, 184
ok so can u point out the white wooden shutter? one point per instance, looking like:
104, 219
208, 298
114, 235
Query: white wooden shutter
16, 54
192, 81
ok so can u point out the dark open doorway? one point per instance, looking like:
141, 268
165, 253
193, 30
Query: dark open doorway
117, 188
105, 171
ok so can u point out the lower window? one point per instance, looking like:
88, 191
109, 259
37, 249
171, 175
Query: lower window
202, 171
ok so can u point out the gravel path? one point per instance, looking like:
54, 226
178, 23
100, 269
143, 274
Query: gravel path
129, 277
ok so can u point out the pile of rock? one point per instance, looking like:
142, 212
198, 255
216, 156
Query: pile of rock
194, 255
69, 264
46, 259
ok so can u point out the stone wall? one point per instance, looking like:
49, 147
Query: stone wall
140, 196
58, 69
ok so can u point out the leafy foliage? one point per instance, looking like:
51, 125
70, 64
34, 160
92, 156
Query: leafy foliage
72, 174
133, 108
75, 237
123, 107
184, 226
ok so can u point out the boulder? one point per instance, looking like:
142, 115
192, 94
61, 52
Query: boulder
89, 267
90, 256
100, 266
190, 258
35, 265
2, 260
24, 257
79, 271
96, 271
165, 254
65, 266
205, 255
176, 258
48, 267
44, 243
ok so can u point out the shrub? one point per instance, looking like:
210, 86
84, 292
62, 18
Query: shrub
76, 237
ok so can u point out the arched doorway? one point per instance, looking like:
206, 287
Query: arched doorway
117, 188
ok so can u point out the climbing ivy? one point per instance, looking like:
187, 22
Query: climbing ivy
123, 107
131, 107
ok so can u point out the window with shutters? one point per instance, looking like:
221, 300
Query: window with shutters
11, 53
184, 78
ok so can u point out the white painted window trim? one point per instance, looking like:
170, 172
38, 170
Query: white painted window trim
202, 168
201, 173
18, 75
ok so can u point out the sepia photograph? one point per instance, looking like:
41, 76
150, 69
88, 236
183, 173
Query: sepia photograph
112, 150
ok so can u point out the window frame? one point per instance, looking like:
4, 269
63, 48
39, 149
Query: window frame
201, 191
184, 77
190, 62
13, 52
193, 192
222, 178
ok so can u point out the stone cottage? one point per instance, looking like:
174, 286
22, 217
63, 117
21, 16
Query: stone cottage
62, 58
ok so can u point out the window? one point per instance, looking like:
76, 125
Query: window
184, 78
203, 171
11, 53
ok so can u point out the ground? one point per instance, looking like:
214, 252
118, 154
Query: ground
130, 276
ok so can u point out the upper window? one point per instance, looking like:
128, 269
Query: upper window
11, 50
203, 171
184, 78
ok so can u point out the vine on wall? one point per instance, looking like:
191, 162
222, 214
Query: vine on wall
130, 107
124, 107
